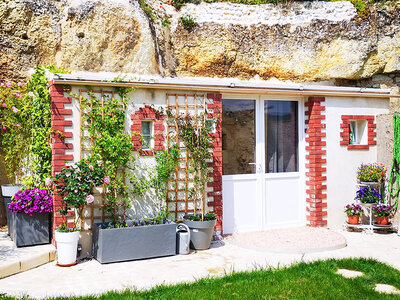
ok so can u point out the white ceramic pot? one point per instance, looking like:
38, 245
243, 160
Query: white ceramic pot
67, 246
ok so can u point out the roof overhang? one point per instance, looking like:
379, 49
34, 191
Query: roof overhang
231, 86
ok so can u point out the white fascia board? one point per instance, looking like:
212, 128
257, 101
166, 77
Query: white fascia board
225, 85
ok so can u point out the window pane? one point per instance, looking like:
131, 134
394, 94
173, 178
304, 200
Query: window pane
281, 136
146, 128
146, 142
238, 136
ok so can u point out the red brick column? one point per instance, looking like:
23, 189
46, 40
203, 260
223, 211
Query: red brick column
58, 144
147, 113
316, 165
216, 164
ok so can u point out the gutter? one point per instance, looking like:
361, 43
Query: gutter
224, 86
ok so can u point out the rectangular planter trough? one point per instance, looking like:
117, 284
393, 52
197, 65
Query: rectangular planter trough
130, 243
26, 230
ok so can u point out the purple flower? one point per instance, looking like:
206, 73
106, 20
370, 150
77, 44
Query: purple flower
31, 201
14, 109
8, 84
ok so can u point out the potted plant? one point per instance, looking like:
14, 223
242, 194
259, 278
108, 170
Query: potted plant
74, 184
121, 239
382, 213
30, 219
372, 175
368, 196
195, 133
134, 239
353, 212
201, 229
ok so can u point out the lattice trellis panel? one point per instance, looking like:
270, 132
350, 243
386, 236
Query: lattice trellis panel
180, 199
95, 212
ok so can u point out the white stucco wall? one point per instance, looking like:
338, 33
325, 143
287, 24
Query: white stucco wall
342, 164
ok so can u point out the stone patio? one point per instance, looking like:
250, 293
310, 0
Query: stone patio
91, 277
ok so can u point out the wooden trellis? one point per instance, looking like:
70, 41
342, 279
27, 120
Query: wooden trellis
179, 200
86, 149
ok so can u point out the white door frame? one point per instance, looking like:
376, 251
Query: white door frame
260, 176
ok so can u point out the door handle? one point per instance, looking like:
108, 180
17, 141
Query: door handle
258, 167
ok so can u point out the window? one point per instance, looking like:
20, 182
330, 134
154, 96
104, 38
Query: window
357, 135
358, 132
147, 135
281, 136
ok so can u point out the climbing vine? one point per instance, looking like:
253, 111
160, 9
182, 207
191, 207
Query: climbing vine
394, 177
106, 124
195, 133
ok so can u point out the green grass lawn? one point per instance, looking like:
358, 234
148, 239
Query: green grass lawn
316, 280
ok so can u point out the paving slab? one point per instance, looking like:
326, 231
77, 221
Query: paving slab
349, 273
14, 260
386, 289
91, 277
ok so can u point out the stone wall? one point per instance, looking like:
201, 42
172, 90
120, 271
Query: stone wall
297, 41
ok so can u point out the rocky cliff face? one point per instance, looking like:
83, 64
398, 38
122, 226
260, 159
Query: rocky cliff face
301, 41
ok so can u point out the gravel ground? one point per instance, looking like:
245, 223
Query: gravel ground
295, 240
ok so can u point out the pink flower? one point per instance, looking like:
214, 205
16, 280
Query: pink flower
47, 181
4, 128
89, 199
31, 94
2, 84
106, 180
4, 105
17, 95
91, 167
14, 109
8, 84
19, 83
18, 125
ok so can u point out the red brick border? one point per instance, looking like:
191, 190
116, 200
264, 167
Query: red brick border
58, 144
345, 134
147, 113
316, 166
216, 164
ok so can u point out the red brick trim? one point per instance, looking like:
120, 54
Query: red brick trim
316, 166
345, 134
147, 113
216, 107
58, 144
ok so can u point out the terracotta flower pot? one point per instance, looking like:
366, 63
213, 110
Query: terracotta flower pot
354, 220
382, 220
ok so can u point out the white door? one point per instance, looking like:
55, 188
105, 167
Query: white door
263, 173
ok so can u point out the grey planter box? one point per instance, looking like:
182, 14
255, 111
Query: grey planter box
7, 200
29, 230
130, 243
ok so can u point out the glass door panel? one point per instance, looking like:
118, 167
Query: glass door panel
281, 136
238, 136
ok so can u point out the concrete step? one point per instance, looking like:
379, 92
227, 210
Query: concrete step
14, 260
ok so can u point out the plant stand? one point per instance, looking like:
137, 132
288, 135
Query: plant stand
370, 226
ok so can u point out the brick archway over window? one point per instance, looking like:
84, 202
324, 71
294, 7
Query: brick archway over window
147, 113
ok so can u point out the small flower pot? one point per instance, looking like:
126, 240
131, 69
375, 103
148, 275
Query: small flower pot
382, 220
67, 246
201, 233
354, 220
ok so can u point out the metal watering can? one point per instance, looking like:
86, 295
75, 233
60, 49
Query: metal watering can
182, 239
